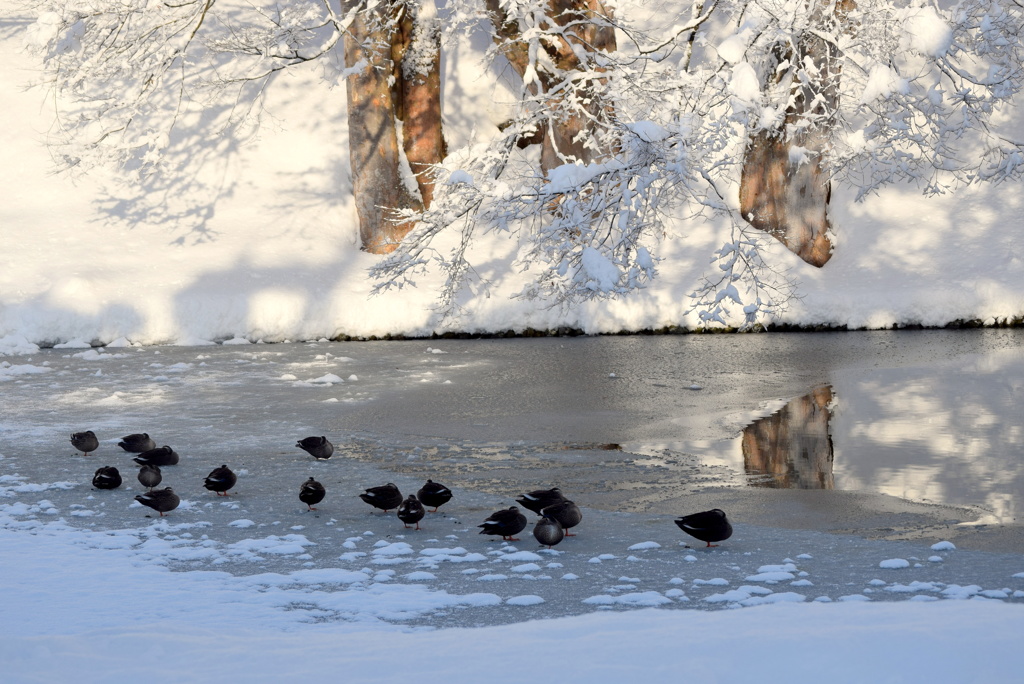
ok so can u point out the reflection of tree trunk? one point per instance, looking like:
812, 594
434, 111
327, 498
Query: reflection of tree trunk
784, 189
793, 445
399, 46
568, 135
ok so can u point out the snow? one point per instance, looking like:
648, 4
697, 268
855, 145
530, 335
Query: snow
771, 577
640, 598
458, 176
894, 564
732, 48
926, 31
882, 82
95, 591
745, 84
9, 371
648, 131
598, 272
304, 278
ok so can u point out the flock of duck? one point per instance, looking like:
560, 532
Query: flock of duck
558, 514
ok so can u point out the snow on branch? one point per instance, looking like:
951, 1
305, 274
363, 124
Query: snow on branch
640, 130
742, 290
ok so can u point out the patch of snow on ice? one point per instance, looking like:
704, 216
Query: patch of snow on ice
912, 588
9, 372
771, 577
525, 600
716, 582
519, 556
637, 598
894, 564
737, 595
420, 576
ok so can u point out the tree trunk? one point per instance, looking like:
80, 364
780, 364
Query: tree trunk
785, 198
416, 52
784, 188
401, 78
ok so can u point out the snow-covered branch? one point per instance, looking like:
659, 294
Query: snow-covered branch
744, 111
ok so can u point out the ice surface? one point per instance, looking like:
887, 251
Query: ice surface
261, 570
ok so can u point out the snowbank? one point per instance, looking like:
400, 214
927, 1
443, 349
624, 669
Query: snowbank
276, 256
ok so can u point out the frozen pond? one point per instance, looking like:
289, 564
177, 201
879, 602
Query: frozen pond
629, 424
832, 453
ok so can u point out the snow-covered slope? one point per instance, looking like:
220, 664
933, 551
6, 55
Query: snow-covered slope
276, 256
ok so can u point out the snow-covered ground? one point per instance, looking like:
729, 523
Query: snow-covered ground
96, 606
276, 256
256, 587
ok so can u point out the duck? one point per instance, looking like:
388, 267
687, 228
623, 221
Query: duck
160, 456
566, 513
434, 494
707, 526
540, 498
85, 441
162, 500
150, 475
106, 477
507, 522
312, 492
220, 480
548, 531
137, 443
385, 497
411, 511
319, 448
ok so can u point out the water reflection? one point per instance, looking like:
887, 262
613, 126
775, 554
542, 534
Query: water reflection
930, 417
941, 433
792, 448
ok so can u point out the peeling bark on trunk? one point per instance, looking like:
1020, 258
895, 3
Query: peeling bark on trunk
784, 189
416, 53
385, 90
373, 140
568, 136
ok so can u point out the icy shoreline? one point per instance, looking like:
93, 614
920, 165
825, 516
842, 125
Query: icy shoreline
15, 344
101, 602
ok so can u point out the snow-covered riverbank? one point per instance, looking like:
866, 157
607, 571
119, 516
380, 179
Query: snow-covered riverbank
276, 256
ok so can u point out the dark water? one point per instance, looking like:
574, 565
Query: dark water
634, 422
